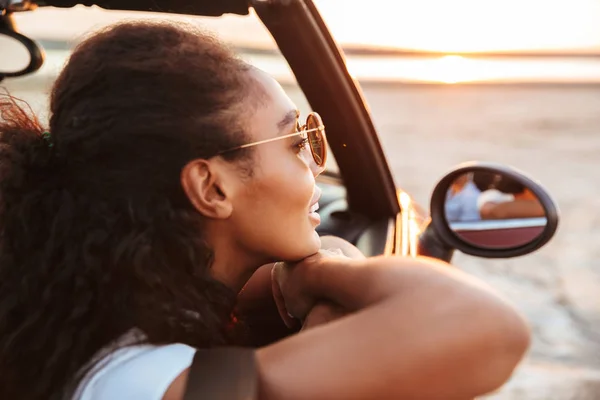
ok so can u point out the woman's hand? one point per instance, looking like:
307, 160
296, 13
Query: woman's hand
322, 313
327, 311
336, 244
293, 298
266, 318
294, 304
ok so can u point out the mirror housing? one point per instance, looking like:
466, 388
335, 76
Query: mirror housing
493, 238
36, 55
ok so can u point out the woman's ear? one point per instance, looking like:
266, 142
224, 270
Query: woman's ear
203, 183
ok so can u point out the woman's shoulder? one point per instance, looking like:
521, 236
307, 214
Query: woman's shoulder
493, 196
136, 372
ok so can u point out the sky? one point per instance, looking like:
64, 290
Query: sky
445, 26
430, 25
467, 25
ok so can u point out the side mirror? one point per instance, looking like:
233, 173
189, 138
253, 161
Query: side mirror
490, 210
19, 54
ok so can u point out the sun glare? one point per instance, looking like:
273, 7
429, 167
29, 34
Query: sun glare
458, 26
449, 69
452, 69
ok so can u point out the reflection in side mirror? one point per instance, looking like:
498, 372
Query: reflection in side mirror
492, 210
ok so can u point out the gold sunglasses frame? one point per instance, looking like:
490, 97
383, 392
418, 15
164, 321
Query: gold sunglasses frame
302, 131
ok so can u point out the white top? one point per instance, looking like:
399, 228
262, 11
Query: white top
462, 206
493, 196
141, 372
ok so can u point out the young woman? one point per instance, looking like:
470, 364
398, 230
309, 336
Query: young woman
170, 172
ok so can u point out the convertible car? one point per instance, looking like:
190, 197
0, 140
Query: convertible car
361, 202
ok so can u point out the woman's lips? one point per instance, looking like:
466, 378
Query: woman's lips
314, 216
316, 196
314, 206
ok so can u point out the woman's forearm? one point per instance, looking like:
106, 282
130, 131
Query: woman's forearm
515, 209
423, 332
258, 311
355, 284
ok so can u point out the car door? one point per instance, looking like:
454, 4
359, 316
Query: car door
376, 216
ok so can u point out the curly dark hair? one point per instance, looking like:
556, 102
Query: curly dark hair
97, 235
484, 180
509, 185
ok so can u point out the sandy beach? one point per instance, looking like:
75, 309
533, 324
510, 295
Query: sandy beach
553, 134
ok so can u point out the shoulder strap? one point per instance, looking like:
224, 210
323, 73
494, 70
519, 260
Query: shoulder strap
222, 374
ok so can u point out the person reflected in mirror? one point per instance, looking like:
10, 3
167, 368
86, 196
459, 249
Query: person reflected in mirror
486, 182
171, 172
509, 199
461, 200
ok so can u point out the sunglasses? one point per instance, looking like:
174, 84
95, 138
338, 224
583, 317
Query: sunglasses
315, 132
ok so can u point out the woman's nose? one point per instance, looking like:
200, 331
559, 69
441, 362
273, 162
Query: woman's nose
316, 168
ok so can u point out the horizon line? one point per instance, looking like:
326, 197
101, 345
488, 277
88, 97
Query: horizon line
366, 50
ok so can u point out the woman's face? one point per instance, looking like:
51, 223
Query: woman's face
269, 214
273, 212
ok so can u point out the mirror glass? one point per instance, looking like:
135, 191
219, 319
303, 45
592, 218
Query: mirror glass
491, 210
15, 56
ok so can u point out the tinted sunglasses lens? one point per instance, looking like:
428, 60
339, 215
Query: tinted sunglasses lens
316, 139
